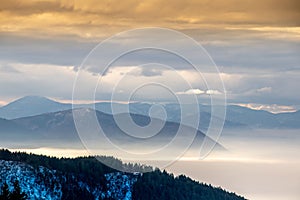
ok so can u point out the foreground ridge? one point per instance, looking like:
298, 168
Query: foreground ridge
43, 177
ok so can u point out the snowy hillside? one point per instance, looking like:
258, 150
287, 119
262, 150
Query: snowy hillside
42, 183
85, 178
119, 185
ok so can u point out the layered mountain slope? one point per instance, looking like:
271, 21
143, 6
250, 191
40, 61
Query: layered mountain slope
60, 127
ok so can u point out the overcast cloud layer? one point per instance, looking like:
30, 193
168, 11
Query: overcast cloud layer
256, 45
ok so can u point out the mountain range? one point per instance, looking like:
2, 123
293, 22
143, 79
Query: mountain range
236, 116
58, 129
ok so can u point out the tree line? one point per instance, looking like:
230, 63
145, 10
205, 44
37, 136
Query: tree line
158, 185
154, 185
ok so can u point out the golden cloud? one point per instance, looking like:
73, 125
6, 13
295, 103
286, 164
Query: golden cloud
95, 18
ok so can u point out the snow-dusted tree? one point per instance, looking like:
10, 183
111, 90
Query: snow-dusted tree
17, 194
5, 193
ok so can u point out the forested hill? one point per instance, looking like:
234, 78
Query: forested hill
161, 185
43, 177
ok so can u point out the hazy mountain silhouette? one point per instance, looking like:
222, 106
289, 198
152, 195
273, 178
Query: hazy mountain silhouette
30, 106
59, 126
236, 116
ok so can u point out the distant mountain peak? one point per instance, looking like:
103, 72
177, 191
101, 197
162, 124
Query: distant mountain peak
30, 106
33, 98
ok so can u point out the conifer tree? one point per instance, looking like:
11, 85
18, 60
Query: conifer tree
17, 194
5, 193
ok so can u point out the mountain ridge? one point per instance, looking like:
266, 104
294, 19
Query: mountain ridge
50, 178
236, 116
60, 127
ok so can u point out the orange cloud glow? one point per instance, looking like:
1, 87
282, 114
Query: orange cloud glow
90, 19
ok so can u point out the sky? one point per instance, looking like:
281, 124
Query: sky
255, 45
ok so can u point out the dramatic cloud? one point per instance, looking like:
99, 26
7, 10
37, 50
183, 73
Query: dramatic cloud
264, 90
192, 91
95, 19
42, 79
256, 45
151, 71
198, 92
213, 92
274, 108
